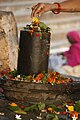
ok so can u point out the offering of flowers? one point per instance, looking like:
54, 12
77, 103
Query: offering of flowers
51, 77
37, 26
58, 111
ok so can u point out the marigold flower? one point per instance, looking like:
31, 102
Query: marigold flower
70, 108
13, 104
74, 113
35, 20
50, 109
39, 77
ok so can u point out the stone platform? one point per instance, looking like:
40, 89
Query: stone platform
37, 92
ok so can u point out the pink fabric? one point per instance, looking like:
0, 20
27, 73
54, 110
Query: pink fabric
73, 55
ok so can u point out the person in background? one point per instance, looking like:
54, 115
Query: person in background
73, 54
56, 8
70, 57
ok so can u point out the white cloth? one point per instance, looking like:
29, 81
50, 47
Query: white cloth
56, 62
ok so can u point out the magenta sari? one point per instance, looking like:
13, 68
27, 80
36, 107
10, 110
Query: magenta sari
73, 54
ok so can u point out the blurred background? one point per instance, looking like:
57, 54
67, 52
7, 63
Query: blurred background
60, 24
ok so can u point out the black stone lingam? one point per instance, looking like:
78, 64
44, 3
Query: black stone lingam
33, 52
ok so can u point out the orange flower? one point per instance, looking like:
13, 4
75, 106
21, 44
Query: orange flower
58, 82
50, 80
13, 104
74, 113
39, 77
50, 109
31, 31
40, 74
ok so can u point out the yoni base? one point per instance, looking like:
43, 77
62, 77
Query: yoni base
37, 92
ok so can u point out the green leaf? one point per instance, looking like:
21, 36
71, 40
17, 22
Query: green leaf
33, 107
50, 116
41, 106
17, 110
44, 79
13, 108
77, 106
42, 25
20, 111
13, 73
55, 118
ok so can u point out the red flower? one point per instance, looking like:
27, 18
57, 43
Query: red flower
37, 35
63, 113
22, 107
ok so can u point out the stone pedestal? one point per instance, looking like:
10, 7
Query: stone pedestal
37, 92
8, 41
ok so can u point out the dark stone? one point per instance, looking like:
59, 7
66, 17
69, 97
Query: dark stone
33, 53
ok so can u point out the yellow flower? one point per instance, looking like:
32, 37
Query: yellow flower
70, 108
50, 109
35, 20
13, 104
